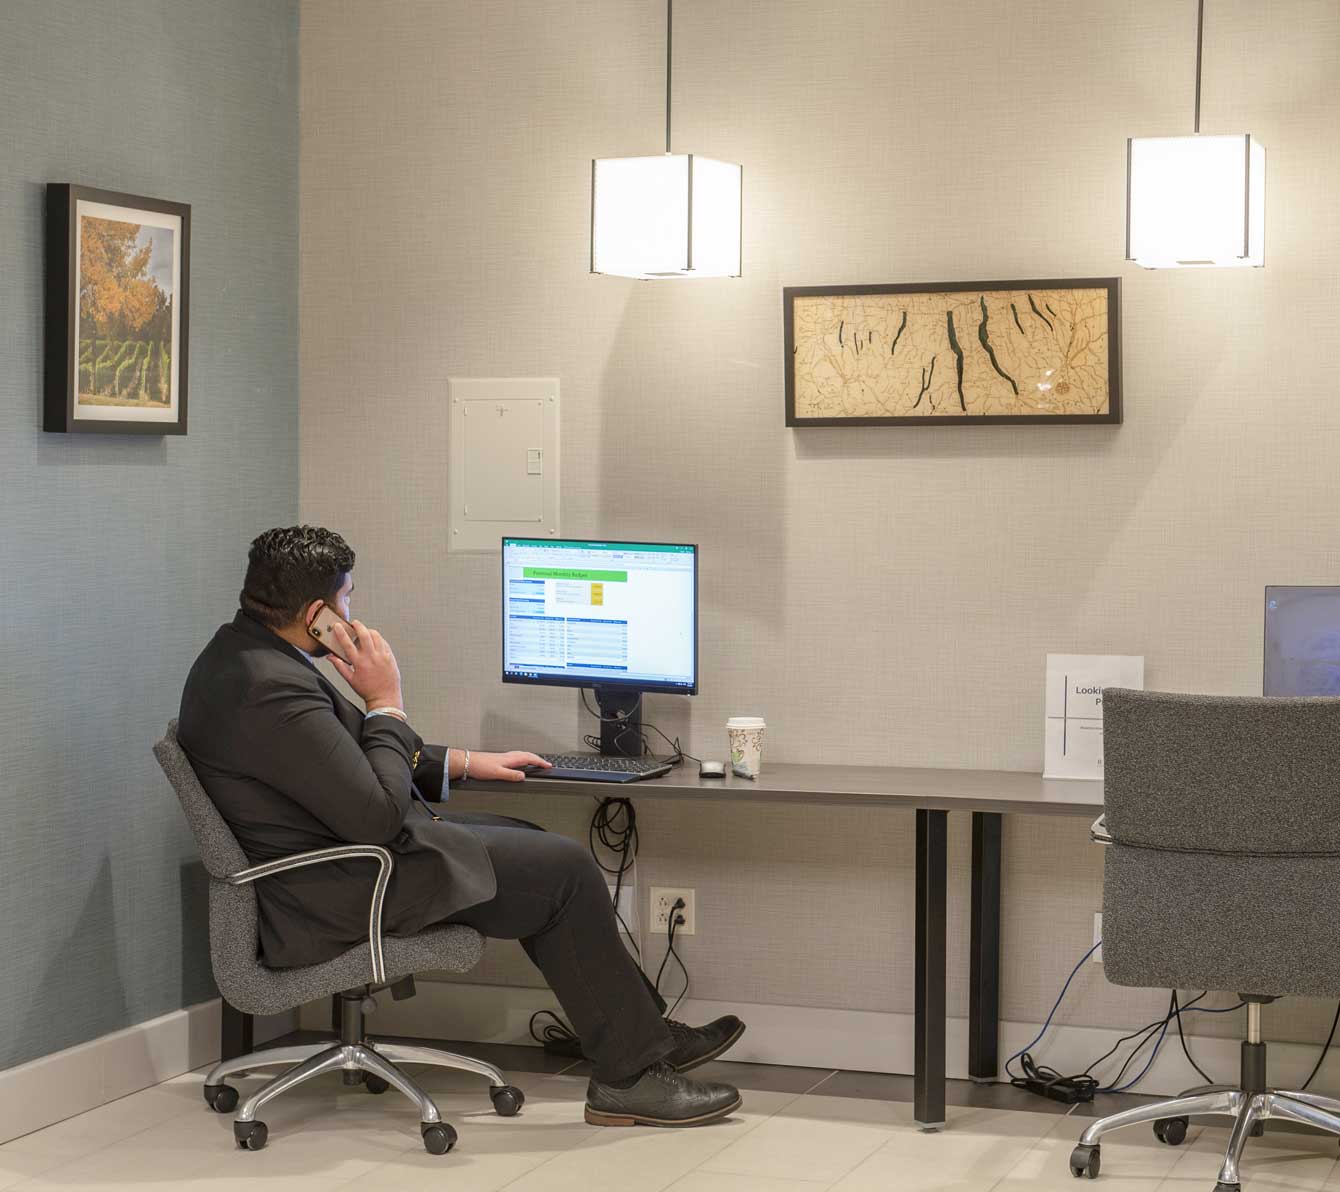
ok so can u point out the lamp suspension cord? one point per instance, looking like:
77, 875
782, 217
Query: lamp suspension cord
1200, 37
670, 43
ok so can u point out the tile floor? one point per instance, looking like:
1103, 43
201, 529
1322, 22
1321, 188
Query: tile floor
800, 1130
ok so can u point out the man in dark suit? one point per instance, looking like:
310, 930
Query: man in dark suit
293, 765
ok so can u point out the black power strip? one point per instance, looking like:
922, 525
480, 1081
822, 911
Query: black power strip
1044, 1082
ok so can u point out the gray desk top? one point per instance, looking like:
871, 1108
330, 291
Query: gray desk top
868, 786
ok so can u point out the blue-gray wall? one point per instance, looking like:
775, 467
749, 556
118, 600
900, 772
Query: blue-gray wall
120, 554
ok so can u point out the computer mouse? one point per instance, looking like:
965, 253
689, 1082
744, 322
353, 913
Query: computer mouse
711, 769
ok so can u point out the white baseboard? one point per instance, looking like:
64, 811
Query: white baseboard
852, 1039
80, 1078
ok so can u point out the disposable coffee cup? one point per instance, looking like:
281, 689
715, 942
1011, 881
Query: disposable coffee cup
745, 735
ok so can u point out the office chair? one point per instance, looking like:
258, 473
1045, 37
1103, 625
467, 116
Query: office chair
381, 963
1222, 829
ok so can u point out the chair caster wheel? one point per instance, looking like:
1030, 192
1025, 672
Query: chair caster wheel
1085, 1162
375, 1084
1171, 1131
221, 1098
1228, 1188
507, 1100
250, 1136
438, 1137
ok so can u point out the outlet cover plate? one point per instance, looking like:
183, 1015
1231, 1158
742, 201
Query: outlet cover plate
662, 899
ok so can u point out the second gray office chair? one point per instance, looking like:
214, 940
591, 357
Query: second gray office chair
234, 945
1223, 825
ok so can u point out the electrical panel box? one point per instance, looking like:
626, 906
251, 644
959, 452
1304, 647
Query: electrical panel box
502, 460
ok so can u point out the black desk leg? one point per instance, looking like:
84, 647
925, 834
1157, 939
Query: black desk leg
929, 1028
984, 964
235, 1034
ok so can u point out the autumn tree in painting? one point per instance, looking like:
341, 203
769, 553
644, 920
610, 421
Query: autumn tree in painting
125, 318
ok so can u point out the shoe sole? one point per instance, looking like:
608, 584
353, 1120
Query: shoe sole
711, 1055
597, 1117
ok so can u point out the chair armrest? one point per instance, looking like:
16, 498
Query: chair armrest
342, 852
1098, 832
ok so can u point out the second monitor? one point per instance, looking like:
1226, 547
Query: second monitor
1302, 640
618, 617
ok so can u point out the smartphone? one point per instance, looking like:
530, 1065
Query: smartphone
322, 625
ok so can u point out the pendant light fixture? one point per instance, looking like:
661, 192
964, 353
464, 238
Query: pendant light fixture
672, 215
1197, 200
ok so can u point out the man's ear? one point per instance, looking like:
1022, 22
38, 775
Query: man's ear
309, 613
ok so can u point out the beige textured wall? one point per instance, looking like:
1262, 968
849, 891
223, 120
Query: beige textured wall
881, 596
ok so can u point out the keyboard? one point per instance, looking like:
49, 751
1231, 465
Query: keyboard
595, 767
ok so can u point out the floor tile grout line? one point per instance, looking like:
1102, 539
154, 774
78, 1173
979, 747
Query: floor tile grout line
822, 1080
1060, 1118
697, 1166
542, 1163
119, 1139
846, 1171
101, 1105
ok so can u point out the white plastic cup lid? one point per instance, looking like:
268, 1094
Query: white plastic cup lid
746, 722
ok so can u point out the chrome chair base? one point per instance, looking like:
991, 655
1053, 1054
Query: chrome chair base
375, 1060
1247, 1110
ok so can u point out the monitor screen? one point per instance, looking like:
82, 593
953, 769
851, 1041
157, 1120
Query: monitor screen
1302, 641
584, 614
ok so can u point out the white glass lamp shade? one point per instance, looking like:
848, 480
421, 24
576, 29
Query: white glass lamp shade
673, 215
1195, 201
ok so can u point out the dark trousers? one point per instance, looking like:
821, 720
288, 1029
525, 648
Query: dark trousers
552, 896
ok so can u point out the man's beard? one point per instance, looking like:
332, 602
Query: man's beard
318, 650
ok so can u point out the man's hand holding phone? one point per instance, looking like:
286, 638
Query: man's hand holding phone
366, 662
371, 669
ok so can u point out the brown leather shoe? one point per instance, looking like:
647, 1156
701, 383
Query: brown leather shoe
696, 1045
660, 1097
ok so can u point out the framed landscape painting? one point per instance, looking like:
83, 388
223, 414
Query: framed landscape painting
954, 352
117, 311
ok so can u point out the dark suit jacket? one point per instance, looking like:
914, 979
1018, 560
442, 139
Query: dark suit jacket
292, 765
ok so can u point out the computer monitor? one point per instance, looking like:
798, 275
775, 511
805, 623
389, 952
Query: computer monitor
1302, 640
618, 617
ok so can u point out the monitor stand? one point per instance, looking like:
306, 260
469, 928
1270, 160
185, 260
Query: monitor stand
623, 739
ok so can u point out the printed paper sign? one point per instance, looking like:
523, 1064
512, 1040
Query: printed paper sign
1075, 682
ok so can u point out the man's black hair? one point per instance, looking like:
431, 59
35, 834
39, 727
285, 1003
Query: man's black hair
289, 568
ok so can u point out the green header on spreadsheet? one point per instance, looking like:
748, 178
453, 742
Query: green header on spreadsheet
569, 544
614, 577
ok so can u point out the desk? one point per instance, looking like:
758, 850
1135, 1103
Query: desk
932, 794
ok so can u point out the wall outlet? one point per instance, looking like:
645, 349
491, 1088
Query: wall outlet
662, 899
1097, 957
627, 908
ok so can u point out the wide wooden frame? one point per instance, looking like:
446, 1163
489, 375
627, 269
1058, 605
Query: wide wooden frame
62, 312
1111, 284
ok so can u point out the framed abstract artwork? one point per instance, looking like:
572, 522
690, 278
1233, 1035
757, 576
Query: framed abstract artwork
117, 311
953, 352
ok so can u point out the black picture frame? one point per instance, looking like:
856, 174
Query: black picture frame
160, 367
1112, 285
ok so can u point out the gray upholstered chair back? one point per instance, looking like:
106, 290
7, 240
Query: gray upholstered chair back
219, 849
234, 919
1225, 812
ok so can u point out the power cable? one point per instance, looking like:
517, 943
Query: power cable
675, 920
592, 741
1325, 1049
